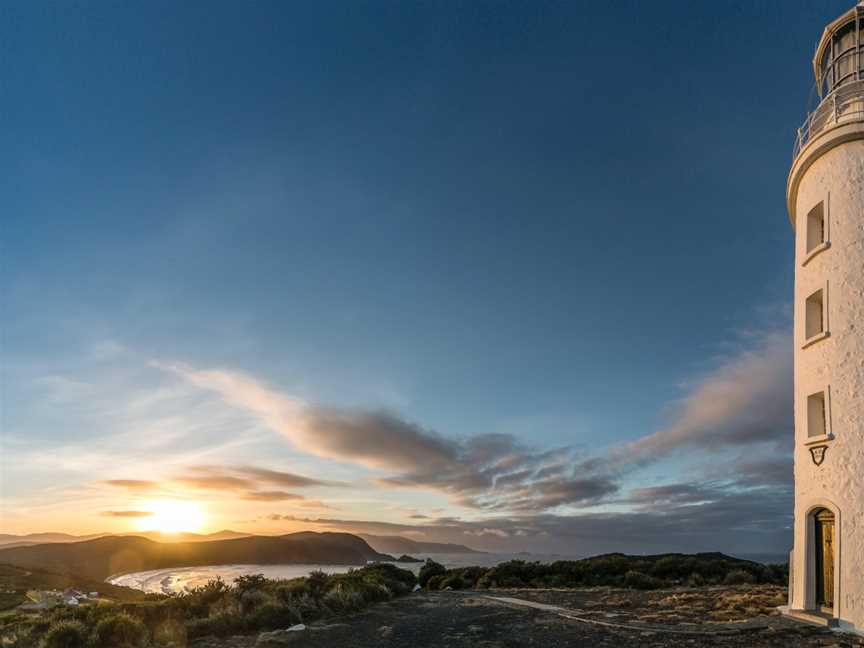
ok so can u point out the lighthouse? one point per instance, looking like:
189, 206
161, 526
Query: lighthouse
825, 200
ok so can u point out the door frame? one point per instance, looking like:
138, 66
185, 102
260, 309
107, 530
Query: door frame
823, 519
809, 557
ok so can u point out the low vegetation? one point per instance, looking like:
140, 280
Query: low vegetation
255, 604
21, 579
11, 600
612, 570
250, 604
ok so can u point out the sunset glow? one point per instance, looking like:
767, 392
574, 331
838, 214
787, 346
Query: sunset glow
173, 517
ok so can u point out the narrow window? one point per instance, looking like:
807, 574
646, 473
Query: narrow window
813, 317
817, 417
815, 227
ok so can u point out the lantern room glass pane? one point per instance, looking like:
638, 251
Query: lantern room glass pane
840, 62
827, 77
844, 39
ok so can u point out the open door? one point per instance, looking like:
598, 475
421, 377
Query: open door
824, 545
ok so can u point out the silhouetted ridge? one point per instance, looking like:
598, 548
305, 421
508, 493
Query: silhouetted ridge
102, 557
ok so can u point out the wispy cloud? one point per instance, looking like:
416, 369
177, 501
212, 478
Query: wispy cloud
214, 482
132, 484
494, 471
745, 401
291, 480
127, 514
270, 496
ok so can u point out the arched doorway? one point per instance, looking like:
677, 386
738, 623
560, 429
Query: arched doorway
824, 543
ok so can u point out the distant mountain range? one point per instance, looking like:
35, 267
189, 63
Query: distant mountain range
400, 545
102, 557
384, 544
8, 540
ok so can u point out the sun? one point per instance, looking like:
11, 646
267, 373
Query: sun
173, 517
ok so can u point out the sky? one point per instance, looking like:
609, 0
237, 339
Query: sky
510, 274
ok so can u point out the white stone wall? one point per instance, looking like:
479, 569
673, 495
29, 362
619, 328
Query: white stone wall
835, 363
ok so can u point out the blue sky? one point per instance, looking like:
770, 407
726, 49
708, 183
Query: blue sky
555, 222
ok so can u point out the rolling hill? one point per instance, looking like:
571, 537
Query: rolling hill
9, 540
400, 545
100, 558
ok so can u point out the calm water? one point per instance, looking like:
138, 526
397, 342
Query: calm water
177, 579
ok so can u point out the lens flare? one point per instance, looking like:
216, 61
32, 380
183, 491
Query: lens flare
172, 517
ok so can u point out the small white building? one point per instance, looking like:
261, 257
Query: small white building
825, 199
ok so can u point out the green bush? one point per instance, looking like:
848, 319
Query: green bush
197, 601
292, 590
396, 579
317, 582
169, 632
738, 577
434, 583
223, 624
342, 598
453, 581
120, 630
252, 599
271, 616
249, 582
428, 570
638, 580
695, 580
66, 634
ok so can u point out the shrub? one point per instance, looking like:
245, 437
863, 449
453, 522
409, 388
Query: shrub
738, 577
638, 580
169, 632
303, 605
695, 580
435, 582
343, 599
453, 581
292, 590
252, 599
672, 567
470, 575
271, 616
243, 584
197, 600
317, 583
428, 570
66, 634
120, 630
222, 624
396, 579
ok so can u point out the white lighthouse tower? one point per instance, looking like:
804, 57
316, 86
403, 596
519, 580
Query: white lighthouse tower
825, 198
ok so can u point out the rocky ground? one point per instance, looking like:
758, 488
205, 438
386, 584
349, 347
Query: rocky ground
719, 616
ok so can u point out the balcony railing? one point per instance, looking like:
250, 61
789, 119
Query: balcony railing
845, 104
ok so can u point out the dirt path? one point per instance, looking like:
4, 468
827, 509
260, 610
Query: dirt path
564, 619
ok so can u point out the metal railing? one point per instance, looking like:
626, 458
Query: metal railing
845, 104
